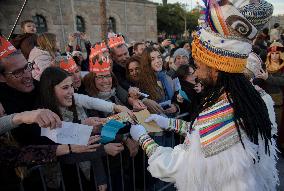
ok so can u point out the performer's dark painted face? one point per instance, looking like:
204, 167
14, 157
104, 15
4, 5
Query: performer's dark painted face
206, 75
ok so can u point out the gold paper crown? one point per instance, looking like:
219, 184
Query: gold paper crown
99, 48
6, 48
68, 64
115, 41
100, 66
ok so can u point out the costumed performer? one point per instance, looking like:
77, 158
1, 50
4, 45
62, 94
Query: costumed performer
228, 145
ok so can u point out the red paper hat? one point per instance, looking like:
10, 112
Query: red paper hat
99, 48
100, 66
68, 64
6, 48
115, 41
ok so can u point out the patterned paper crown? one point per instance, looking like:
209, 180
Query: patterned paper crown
224, 40
98, 49
102, 65
6, 48
115, 41
66, 63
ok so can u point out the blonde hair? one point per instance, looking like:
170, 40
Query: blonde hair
47, 42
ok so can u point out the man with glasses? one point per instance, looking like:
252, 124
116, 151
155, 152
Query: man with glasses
16, 72
18, 94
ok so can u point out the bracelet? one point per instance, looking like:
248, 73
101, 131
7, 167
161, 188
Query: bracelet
70, 150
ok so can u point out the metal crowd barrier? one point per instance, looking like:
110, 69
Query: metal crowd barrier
130, 180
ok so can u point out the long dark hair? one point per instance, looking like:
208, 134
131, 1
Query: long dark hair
147, 79
130, 60
250, 112
51, 77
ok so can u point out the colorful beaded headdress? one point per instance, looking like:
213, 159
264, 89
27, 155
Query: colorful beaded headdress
6, 48
101, 65
66, 63
223, 41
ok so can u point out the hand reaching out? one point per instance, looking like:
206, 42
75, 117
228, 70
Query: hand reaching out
43, 117
91, 147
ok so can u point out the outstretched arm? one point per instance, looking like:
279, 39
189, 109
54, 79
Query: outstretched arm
164, 162
177, 125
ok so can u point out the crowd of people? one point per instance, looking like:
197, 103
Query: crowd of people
217, 90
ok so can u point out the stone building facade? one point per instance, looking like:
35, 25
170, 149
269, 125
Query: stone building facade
276, 19
136, 19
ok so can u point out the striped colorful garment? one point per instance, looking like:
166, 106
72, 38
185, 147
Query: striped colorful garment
148, 144
217, 128
178, 126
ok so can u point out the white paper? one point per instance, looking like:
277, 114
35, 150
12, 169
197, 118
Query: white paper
69, 133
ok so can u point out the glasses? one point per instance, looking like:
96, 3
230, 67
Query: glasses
103, 77
20, 72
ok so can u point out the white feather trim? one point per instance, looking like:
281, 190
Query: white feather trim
231, 170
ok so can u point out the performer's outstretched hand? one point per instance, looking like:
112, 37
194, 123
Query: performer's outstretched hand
136, 131
161, 121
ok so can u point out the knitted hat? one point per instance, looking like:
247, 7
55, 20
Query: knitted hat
224, 39
182, 52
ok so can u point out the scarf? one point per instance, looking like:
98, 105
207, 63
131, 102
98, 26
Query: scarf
162, 77
106, 95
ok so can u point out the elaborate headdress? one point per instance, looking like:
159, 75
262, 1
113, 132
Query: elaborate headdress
100, 66
66, 63
224, 40
6, 48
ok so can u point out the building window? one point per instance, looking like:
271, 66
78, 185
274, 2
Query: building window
80, 24
40, 23
111, 25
